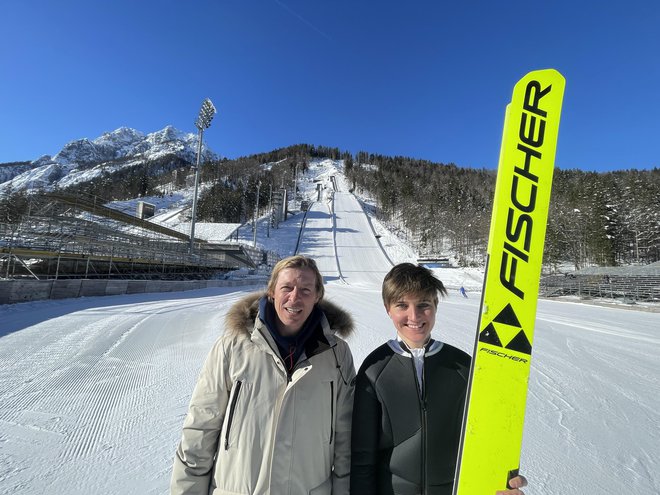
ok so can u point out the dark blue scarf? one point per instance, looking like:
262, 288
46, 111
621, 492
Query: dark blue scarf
290, 347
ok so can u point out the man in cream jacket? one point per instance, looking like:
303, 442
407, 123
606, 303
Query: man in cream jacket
271, 411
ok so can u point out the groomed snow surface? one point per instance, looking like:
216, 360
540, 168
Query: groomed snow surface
93, 391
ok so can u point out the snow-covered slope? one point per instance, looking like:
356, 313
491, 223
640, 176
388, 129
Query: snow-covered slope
93, 391
83, 159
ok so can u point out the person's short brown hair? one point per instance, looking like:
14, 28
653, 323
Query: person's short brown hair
407, 278
299, 262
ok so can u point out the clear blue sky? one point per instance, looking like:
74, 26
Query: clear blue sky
427, 79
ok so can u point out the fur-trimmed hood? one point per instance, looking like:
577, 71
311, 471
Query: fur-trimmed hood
242, 315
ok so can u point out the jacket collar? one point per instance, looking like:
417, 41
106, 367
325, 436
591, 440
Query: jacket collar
400, 347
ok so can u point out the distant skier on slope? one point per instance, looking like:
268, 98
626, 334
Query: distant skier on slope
462, 291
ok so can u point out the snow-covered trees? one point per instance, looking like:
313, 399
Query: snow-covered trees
595, 218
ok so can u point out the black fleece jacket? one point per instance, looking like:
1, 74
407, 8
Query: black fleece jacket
405, 441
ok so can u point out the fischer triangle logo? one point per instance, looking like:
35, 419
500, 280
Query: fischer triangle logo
505, 331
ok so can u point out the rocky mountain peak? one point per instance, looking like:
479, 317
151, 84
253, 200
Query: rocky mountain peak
85, 159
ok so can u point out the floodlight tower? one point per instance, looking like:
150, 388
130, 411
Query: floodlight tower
256, 215
203, 121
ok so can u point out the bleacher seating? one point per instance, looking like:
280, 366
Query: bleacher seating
637, 287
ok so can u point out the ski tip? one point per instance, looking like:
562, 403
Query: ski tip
549, 73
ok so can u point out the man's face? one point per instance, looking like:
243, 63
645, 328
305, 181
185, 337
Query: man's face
294, 298
413, 317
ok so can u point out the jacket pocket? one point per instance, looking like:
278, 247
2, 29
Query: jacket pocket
235, 393
324, 488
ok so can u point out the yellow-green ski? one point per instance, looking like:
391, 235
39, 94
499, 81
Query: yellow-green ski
489, 454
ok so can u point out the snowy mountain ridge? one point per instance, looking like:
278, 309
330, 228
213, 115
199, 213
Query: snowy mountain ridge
84, 159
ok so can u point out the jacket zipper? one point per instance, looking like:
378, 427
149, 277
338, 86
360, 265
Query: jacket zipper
424, 448
421, 394
232, 409
280, 399
332, 410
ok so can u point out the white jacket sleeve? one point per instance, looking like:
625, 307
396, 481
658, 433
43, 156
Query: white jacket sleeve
346, 386
195, 455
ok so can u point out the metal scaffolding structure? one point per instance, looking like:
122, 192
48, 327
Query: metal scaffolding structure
62, 236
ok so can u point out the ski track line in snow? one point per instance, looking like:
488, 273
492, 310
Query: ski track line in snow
603, 329
97, 381
100, 400
562, 407
365, 264
40, 369
333, 216
580, 355
549, 385
639, 467
334, 242
319, 229
131, 349
628, 391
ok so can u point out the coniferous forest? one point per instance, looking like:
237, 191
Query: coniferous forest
604, 219
595, 218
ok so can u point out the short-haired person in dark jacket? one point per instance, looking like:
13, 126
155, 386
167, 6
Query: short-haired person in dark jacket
409, 398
